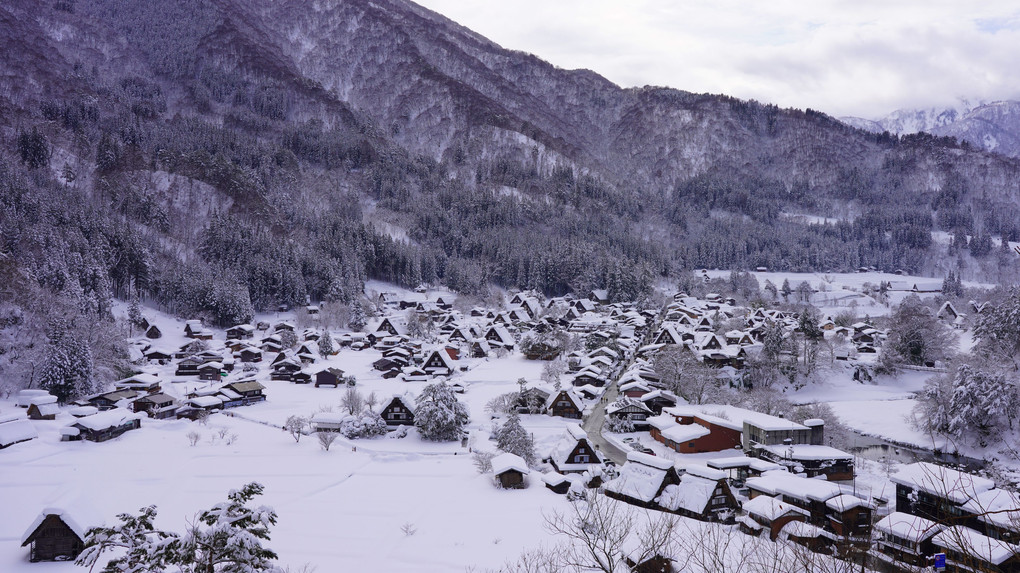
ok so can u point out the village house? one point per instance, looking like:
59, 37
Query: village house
439, 363
907, 539
250, 391
241, 332
105, 425
631, 410
43, 408
142, 382
936, 492
739, 468
54, 536
566, 404
108, 400
642, 480
686, 430
329, 376
398, 411
158, 406
996, 513
768, 513
703, 493
968, 551
574, 452
812, 460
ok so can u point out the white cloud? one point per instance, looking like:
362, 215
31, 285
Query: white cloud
864, 58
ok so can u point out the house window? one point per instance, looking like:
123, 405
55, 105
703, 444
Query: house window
581, 459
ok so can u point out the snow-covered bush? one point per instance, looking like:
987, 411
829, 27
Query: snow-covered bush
619, 425
483, 461
367, 424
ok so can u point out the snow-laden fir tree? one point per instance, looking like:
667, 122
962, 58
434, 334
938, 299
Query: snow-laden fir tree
228, 537
357, 319
512, 438
326, 346
439, 416
68, 371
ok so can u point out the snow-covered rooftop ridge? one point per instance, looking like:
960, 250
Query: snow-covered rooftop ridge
649, 460
845, 502
106, 419
770, 508
806, 452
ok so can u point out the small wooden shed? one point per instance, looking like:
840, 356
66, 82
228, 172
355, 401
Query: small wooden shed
510, 471
54, 536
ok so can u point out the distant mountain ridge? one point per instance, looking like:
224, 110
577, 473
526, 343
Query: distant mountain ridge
992, 126
231, 155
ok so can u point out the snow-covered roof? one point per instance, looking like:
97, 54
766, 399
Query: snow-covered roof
507, 461
954, 485
756, 464
42, 400
909, 527
969, 542
16, 431
685, 432
703, 471
641, 477
792, 485
770, 508
692, 494
107, 419
25, 396
806, 452
64, 516
804, 530
996, 506
205, 401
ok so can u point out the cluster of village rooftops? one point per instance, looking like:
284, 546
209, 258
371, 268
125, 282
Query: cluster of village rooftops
772, 476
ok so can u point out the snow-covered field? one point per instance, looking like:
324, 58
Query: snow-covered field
338, 510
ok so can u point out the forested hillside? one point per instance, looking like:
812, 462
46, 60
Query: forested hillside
215, 158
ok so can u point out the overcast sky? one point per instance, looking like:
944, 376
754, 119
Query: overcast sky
855, 57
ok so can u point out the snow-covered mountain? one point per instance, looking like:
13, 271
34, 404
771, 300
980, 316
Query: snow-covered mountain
993, 126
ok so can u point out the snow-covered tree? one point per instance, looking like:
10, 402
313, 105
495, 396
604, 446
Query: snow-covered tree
140, 546
974, 403
357, 319
224, 539
353, 401
295, 426
511, 437
326, 346
135, 314
998, 330
552, 371
916, 336
68, 371
439, 416
228, 537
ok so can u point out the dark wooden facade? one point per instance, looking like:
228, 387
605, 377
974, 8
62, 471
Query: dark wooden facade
53, 540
